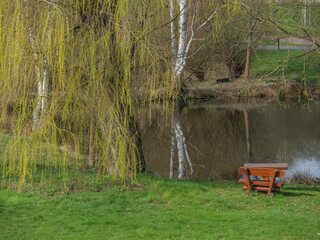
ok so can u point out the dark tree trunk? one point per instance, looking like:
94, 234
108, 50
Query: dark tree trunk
134, 130
249, 147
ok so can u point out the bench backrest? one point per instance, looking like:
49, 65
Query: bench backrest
265, 172
282, 166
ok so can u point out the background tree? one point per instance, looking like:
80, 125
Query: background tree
253, 11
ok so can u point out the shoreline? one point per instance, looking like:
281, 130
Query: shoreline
252, 90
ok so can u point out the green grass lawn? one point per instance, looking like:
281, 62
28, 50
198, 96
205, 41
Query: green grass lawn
84, 208
288, 15
279, 66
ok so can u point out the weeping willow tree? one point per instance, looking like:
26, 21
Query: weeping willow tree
70, 72
67, 69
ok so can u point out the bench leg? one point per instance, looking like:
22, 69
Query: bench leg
246, 170
272, 182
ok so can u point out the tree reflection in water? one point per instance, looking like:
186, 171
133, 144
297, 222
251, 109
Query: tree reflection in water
221, 137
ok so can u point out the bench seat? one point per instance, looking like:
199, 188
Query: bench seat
262, 182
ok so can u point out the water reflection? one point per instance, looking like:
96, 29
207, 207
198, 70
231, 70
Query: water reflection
221, 137
304, 168
179, 145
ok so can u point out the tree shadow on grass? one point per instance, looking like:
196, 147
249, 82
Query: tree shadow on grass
296, 194
302, 188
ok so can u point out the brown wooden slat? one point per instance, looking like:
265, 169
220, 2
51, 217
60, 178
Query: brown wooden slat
261, 182
264, 172
281, 166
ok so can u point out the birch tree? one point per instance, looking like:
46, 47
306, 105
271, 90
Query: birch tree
183, 31
179, 52
42, 72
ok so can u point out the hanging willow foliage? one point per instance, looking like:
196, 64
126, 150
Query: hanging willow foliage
67, 69
70, 74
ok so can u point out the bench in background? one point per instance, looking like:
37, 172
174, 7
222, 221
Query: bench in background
268, 171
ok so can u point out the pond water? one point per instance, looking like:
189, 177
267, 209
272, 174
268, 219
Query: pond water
222, 137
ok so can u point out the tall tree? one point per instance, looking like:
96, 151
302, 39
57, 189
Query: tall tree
253, 10
184, 27
92, 51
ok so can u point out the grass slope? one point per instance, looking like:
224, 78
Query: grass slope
84, 208
284, 67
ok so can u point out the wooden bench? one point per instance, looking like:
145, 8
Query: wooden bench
268, 171
280, 166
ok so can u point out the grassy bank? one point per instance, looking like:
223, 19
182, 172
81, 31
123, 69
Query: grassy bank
158, 209
274, 75
286, 65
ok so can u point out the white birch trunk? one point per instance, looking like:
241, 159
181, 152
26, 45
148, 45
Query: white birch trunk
304, 14
181, 151
179, 52
173, 151
183, 34
37, 109
40, 109
178, 141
